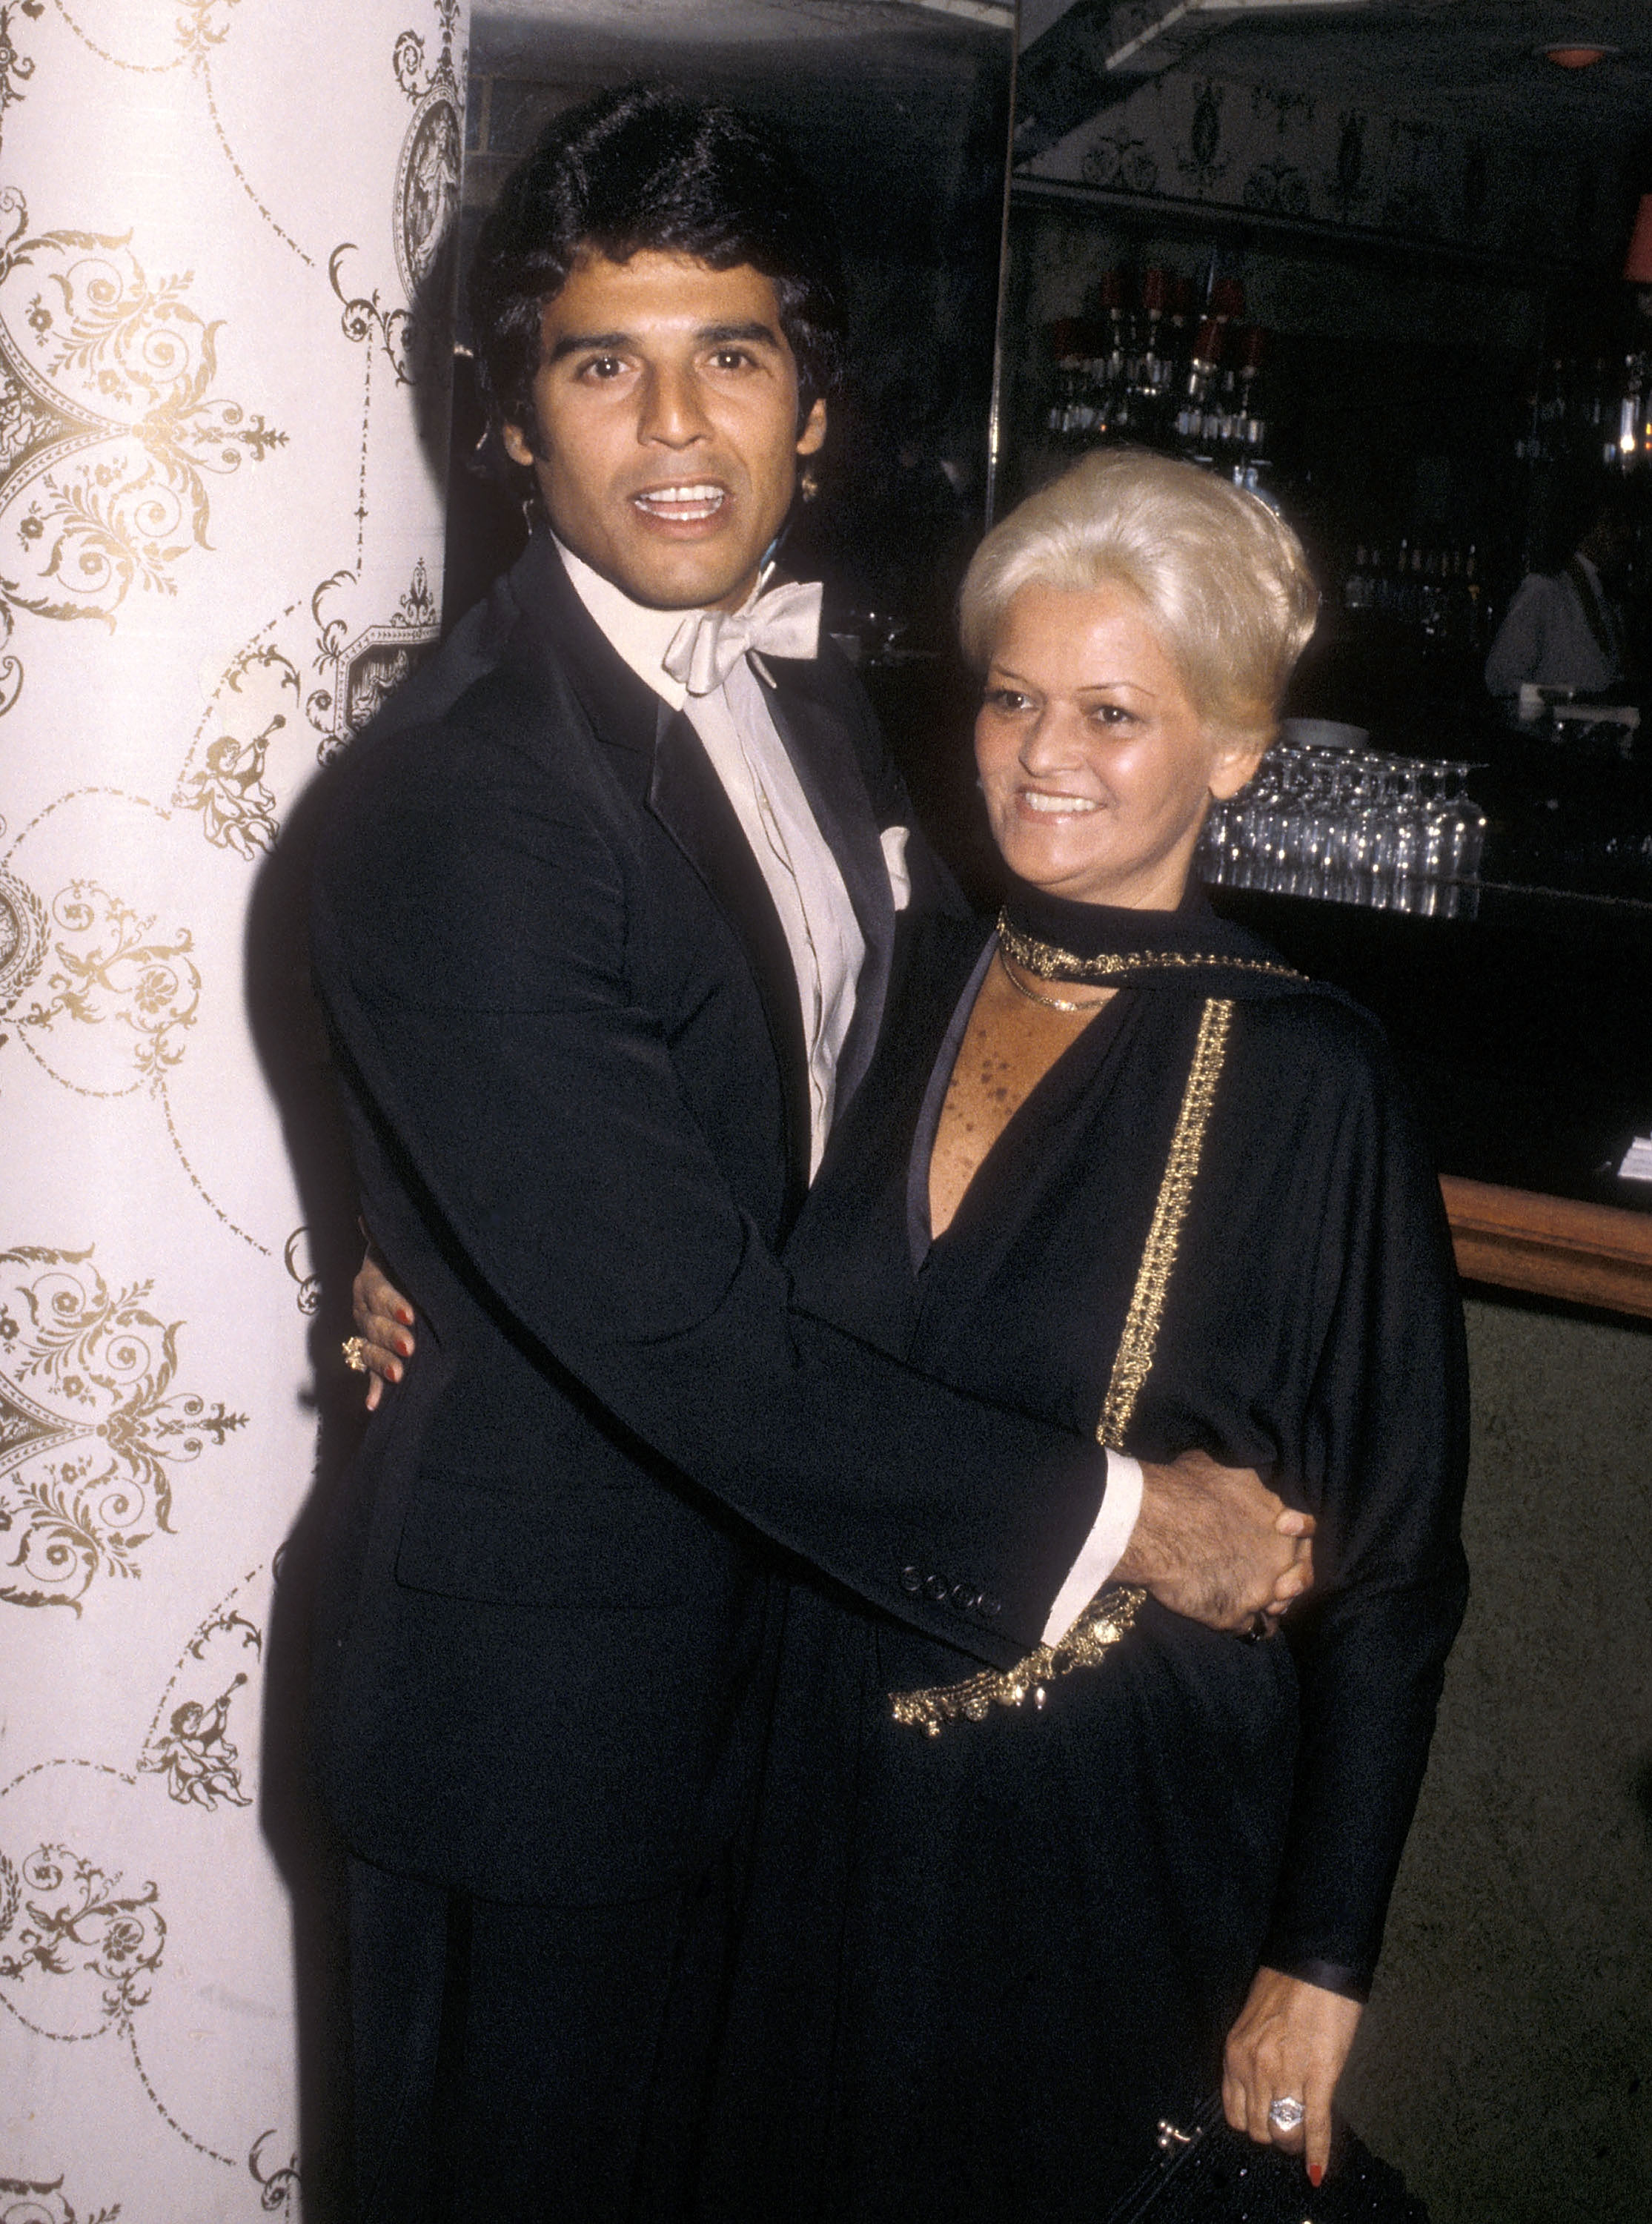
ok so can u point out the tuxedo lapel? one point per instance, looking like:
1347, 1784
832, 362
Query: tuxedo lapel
555, 628
817, 738
689, 800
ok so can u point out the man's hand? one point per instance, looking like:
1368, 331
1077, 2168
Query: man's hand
1215, 1543
384, 1322
1289, 2044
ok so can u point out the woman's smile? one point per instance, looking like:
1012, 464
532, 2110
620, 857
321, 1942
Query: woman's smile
1044, 804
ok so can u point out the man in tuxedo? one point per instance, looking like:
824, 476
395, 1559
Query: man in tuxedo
602, 924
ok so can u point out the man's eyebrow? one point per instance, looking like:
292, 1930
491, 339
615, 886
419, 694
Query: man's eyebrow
757, 334
720, 335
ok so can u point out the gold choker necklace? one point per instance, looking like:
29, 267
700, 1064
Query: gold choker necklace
1050, 963
1050, 1003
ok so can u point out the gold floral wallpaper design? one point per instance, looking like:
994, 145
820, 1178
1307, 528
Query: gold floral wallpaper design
22, 2204
92, 1427
15, 66
83, 1944
107, 967
254, 709
110, 429
226, 261
63, 1917
23, 939
117, 994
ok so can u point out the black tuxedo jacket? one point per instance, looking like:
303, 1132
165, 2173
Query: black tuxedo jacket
566, 1024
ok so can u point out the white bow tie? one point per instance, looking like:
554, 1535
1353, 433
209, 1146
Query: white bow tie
706, 647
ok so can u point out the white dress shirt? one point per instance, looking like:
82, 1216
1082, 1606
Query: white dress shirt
749, 758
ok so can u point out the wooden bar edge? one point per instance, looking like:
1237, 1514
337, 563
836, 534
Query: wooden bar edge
1588, 1254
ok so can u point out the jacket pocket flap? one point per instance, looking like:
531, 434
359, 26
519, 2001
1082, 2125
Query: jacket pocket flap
465, 1538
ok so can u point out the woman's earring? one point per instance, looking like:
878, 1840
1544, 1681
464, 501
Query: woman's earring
809, 483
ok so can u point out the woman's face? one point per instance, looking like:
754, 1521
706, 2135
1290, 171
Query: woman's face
1096, 768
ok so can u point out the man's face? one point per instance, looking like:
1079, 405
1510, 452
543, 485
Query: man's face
666, 399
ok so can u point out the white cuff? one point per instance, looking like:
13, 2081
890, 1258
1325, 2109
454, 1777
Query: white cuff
1103, 1548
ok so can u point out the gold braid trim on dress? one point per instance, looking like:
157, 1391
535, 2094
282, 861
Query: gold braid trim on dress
1113, 1611
1098, 1629
1051, 963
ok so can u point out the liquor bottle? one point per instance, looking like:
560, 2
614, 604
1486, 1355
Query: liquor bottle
1178, 346
1252, 427
1147, 381
1203, 373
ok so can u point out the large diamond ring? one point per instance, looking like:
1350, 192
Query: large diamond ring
356, 1354
1285, 2115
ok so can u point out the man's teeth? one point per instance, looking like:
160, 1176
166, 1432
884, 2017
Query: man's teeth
693, 501
1037, 801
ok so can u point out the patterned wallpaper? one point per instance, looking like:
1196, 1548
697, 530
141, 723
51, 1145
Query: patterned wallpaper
224, 267
1275, 152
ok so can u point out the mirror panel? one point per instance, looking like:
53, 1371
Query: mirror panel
1369, 259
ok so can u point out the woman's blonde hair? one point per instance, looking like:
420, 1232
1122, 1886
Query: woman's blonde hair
1224, 577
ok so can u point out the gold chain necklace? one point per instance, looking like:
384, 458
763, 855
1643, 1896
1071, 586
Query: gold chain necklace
1050, 1003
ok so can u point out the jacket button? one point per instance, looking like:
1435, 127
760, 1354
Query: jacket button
991, 1605
935, 1586
910, 1582
963, 1597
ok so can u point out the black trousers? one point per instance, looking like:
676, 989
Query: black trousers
530, 2064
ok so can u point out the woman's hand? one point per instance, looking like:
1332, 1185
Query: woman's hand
384, 1322
1291, 2043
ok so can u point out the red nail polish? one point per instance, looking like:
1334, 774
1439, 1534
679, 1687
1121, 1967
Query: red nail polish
1315, 2173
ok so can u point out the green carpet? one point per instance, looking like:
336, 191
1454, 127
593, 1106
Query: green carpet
1505, 2062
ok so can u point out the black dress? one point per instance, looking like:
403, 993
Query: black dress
979, 1965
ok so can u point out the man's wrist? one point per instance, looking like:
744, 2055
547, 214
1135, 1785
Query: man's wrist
1141, 1560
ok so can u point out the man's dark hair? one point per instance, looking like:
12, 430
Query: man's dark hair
636, 171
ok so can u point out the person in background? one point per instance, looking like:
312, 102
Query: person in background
1566, 628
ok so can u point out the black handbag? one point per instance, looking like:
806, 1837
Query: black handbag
1205, 2172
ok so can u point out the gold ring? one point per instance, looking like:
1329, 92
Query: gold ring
356, 1354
